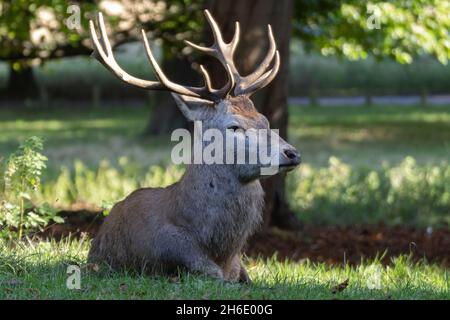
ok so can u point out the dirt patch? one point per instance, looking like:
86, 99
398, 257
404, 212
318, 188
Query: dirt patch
339, 244
329, 244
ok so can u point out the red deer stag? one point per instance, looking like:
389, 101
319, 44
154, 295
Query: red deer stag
200, 223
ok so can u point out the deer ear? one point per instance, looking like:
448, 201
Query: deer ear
193, 108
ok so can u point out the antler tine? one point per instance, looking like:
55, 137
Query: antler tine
249, 80
224, 53
215, 28
234, 42
106, 45
221, 51
183, 90
225, 90
206, 78
263, 80
222, 92
103, 53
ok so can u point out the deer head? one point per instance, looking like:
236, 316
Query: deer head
226, 108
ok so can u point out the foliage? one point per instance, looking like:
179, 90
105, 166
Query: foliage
21, 178
38, 30
106, 185
406, 194
336, 76
400, 29
39, 271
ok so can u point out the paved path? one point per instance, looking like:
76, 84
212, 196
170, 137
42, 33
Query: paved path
376, 100
300, 101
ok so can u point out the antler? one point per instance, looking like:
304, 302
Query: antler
224, 53
103, 52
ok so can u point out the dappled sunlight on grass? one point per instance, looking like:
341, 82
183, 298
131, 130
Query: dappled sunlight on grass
379, 138
87, 135
406, 194
341, 193
64, 126
38, 270
65, 130
371, 135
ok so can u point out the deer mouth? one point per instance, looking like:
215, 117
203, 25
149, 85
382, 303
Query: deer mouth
289, 167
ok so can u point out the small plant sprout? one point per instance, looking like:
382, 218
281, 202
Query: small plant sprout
21, 177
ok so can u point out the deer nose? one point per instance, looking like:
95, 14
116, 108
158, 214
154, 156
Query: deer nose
293, 155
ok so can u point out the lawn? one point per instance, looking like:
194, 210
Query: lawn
361, 165
39, 271
367, 136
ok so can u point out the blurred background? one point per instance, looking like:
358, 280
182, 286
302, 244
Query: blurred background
363, 92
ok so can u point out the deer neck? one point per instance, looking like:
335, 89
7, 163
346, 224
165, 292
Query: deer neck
216, 181
221, 211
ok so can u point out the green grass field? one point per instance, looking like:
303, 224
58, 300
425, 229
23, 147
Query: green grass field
367, 136
39, 271
393, 168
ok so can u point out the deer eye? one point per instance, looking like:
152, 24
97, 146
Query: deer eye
234, 128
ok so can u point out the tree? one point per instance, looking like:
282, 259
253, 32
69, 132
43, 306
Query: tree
33, 32
398, 29
178, 66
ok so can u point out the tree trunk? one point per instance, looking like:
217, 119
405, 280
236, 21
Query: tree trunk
21, 83
166, 116
254, 16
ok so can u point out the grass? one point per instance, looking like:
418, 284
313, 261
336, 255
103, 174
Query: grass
370, 136
39, 271
360, 165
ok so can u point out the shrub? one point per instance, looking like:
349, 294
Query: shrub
339, 193
404, 194
105, 185
20, 179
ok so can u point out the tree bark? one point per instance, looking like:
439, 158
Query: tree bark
166, 116
254, 16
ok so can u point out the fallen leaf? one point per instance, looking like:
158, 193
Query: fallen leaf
340, 287
123, 287
92, 267
35, 292
207, 296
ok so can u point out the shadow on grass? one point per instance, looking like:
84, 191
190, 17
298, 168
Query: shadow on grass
272, 280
